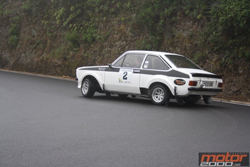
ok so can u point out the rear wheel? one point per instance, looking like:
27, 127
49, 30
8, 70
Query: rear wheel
160, 95
88, 88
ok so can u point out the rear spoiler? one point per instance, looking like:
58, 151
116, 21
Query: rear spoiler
206, 75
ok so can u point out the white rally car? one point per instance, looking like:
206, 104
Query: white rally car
157, 75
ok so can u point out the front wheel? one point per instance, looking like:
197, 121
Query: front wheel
88, 88
160, 95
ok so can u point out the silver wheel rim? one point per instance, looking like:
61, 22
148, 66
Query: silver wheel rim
85, 87
158, 95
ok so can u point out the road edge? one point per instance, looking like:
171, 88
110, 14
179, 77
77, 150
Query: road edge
39, 75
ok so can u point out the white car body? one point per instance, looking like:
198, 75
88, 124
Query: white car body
124, 78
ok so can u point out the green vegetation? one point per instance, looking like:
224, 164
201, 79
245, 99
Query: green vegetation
229, 28
89, 35
13, 40
32, 7
215, 29
1, 10
57, 53
14, 31
72, 37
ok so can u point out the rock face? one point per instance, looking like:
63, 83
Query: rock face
55, 40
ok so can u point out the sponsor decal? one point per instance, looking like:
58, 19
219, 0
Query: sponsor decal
102, 68
179, 82
125, 76
146, 64
224, 159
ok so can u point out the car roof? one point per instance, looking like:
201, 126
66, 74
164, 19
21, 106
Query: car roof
153, 52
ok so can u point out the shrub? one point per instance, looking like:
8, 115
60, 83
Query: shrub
13, 31
72, 37
13, 40
32, 7
90, 35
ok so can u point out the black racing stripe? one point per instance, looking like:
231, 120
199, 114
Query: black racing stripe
92, 68
206, 75
112, 69
171, 73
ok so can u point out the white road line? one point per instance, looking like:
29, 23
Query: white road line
235, 103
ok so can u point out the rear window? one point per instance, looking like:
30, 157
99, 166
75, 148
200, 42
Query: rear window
182, 62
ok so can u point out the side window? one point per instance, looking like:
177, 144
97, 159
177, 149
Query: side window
154, 62
119, 62
133, 60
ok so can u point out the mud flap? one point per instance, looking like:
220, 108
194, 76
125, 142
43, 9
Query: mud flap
178, 99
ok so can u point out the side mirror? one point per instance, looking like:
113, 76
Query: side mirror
110, 66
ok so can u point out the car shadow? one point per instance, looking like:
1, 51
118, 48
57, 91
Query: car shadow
146, 101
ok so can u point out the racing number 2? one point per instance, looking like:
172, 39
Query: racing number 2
125, 75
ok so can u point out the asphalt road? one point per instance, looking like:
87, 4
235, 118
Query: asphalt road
45, 122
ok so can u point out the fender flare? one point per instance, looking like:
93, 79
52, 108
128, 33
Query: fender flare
94, 76
163, 81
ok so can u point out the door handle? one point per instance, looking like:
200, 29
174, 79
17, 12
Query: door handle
136, 71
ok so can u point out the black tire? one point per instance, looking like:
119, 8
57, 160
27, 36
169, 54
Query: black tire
159, 94
122, 95
88, 88
207, 99
192, 99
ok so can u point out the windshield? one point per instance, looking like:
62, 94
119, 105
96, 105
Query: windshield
182, 62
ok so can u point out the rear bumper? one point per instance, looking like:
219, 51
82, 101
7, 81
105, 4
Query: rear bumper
203, 92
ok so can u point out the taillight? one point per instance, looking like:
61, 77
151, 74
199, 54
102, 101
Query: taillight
220, 85
192, 83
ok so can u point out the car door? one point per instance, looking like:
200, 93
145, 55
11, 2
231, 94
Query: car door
124, 75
